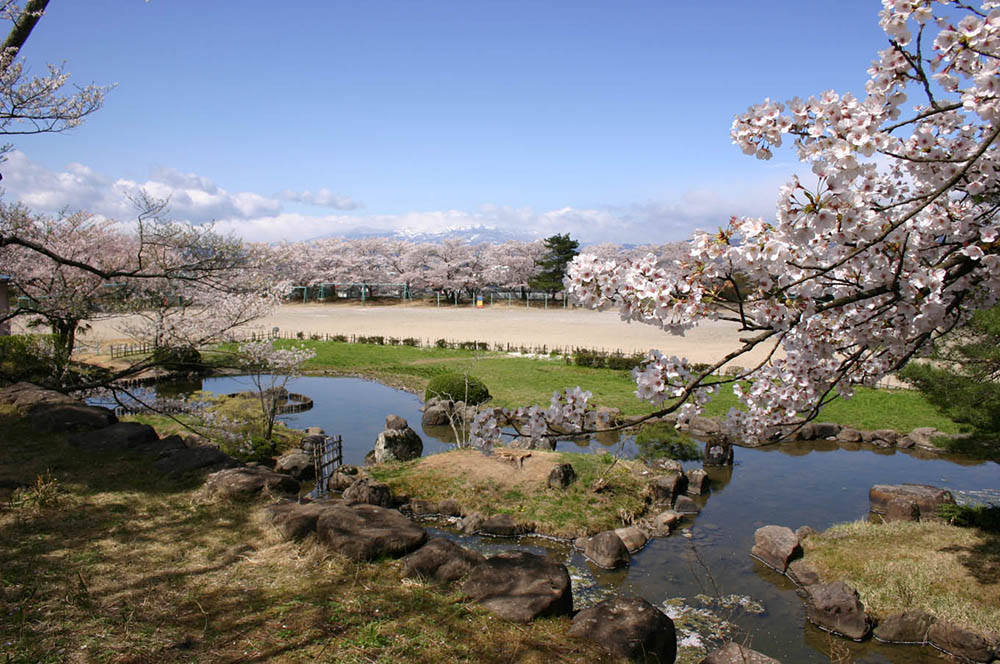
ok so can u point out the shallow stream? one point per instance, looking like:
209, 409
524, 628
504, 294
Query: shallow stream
817, 484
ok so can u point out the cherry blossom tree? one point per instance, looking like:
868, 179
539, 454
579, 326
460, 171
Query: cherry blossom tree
35, 105
270, 369
894, 243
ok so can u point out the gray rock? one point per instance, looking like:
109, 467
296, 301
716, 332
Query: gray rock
504, 525
697, 481
420, 507
802, 573
340, 480
666, 465
923, 437
367, 490
24, 396
804, 532
904, 442
435, 416
607, 550
664, 488
561, 476
521, 586
69, 417
775, 546
186, 459
315, 430
449, 507
849, 435
734, 653
366, 532
395, 423
905, 627
890, 436
718, 454
822, 430
115, 438
296, 520
441, 560
633, 537
837, 608
704, 427
298, 464
471, 523
686, 505
628, 627
895, 502
961, 642
667, 520
308, 443
398, 445
248, 482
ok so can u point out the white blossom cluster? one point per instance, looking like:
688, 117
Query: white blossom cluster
896, 243
569, 413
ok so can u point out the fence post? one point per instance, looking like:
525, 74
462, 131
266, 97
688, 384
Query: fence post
439, 299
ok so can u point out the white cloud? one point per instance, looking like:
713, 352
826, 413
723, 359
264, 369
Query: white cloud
198, 199
323, 198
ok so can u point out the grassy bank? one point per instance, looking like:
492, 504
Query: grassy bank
951, 572
103, 560
519, 381
491, 486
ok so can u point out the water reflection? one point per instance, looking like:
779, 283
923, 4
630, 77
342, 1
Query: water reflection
818, 483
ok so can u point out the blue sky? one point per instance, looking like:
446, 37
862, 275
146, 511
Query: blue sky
606, 120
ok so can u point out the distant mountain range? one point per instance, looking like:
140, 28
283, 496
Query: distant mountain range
489, 234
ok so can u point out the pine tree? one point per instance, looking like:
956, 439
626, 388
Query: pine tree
560, 250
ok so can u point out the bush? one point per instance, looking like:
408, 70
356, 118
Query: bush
179, 359
626, 362
441, 343
661, 440
984, 517
457, 387
26, 357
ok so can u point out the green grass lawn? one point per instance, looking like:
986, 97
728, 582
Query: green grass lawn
521, 381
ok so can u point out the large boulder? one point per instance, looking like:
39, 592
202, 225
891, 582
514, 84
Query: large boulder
960, 642
775, 546
905, 627
718, 454
837, 608
633, 537
521, 586
664, 488
504, 525
734, 653
667, 520
115, 438
296, 520
441, 560
802, 573
607, 550
823, 430
697, 481
898, 502
298, 464
435, 416
69, 417
561, 476
628, 627
701, 426
199, 457
248, 482
398, 444
686, 505
24, 396
367, 490
366, 532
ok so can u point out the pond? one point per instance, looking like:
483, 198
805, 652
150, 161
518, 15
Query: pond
817, 484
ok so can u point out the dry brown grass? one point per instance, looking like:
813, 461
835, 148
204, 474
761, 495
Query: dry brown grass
125, 566
951, 572
490, 486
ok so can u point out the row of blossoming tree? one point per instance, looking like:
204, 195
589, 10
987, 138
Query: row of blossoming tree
892, 243
451, 266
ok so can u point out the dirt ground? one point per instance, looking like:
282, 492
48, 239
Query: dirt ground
555, 327
524, 470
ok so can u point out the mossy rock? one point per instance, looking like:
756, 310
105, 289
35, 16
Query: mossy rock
457, 387
180, 359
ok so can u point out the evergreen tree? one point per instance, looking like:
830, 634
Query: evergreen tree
559, 251
963, 381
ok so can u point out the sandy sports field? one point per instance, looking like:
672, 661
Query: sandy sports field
555, 327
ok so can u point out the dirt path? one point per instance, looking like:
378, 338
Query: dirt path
565, 328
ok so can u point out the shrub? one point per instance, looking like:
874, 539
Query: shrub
410, 341
26, 357
342, 338
625, 362
984, 517
661, 440
458, 387
441, 343
179, 359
